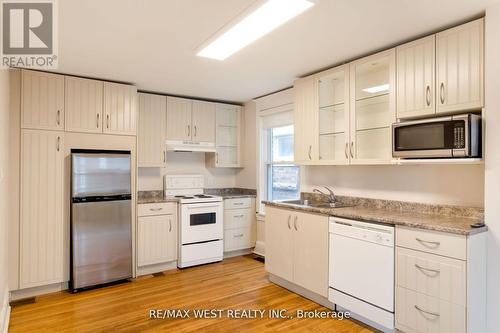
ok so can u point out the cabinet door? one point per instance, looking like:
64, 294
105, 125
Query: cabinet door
42, 208
333, 115
203, 121
305, 117
227, 115
83, 105
227, 135
460, 53
42, 101
373, 108
120, 108
155, 239
310, 252
279, 249
152, 130
416, 76
179, 118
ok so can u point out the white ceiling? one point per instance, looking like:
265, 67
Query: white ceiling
152, 43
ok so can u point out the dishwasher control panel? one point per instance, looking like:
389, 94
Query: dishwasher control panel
369, 232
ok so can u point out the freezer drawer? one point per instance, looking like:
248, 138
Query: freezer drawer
101, 242
97, 174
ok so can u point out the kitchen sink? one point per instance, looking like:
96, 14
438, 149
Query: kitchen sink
317, 204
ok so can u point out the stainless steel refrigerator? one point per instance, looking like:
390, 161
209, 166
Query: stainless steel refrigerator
101, 215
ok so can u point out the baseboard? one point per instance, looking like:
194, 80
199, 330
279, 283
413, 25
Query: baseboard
37, 291
5, 313
259, 249
237, 253
301, 291
157, 268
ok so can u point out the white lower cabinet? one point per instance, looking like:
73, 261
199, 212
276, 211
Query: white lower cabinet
42, 260
156, 234
440, 281
239, 224
297, 248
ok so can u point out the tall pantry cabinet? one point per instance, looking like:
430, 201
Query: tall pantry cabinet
47, 110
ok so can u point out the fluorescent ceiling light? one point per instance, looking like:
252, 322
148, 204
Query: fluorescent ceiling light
261, 21
377, 89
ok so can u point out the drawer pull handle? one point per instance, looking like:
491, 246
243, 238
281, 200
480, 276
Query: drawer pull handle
427, 269
425, 243
427, 312
155, 209
239, 216
289, 218
239, 235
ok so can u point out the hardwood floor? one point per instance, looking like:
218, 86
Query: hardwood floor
235, 283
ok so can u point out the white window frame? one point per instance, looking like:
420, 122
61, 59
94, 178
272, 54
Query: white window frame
282, 103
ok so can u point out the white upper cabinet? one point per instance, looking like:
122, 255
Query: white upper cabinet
179, 118
227, 137
152, 130
83, 105
42, 102
460, 53
305, 117
203, 121
42, 208
120, 109
416, 78
373, 108
333, 116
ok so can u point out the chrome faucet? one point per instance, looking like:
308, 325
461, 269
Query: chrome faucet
330, 195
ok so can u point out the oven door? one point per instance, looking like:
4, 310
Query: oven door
438, 137
201, 222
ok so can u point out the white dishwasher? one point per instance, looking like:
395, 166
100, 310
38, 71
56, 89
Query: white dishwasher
361, 272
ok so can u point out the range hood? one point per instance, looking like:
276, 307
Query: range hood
179, 145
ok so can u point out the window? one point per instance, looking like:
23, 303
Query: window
283, 177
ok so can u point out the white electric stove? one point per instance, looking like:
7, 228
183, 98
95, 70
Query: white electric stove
201, 228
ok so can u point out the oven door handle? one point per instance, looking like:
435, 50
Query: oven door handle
202, 205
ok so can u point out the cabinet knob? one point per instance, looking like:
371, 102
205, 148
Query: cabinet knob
295, 223
58, 145
98, 120
346, 149
289, 218
58, 117
309, 153
428, 95
107, 121
352, 149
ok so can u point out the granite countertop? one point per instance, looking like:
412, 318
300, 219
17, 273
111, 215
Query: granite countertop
232, 192
144, 197
450, 219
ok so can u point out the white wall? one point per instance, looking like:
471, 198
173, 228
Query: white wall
492, 172
247, 177
185, 163
436, 184
4, 149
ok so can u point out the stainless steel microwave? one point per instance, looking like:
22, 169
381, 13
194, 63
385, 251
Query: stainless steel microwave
452, 136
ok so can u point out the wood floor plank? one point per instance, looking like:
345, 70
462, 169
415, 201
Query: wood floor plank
235, 283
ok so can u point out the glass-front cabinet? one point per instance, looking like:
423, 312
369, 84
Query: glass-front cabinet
373, 102
333, 115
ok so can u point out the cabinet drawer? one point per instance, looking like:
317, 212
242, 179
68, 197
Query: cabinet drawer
237, 218
237, 203
162, 208
432, 275
450, 245
417, 312
238, 239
